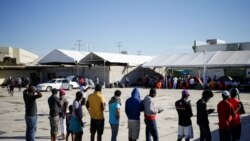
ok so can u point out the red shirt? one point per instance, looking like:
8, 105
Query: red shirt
236, 119
225, 114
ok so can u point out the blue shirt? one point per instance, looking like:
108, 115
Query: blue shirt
112, 113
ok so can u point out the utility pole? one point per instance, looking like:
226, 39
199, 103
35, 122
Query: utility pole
79, 44
119, 45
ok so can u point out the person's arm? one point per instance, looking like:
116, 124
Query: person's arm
118, 112
103, 105
87, 105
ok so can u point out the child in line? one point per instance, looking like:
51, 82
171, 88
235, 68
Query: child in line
68, 118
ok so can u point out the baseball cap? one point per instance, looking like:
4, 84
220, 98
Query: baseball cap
226, 93
185, 93
234, 91
62, 92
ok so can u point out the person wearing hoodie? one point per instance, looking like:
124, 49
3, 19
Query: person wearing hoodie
132, 110
150, 112
114, 113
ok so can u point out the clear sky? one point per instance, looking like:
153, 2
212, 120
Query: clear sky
149, 26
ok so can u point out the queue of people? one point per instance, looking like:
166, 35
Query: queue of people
229, 110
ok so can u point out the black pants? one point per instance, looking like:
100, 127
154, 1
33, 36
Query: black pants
236, 131
225, 135
205, 133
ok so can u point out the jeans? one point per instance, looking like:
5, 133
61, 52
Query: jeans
31, 122
151, 129
114, 129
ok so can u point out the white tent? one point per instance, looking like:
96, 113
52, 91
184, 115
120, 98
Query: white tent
212, 59
60, 56
112, 58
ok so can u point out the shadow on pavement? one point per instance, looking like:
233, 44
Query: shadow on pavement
245, 128
22, 137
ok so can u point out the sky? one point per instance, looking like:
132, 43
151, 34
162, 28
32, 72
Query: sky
146, 27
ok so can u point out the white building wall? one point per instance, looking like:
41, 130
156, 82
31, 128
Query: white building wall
22, 56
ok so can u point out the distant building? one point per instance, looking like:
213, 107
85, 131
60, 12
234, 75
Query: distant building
219, 45
17, 56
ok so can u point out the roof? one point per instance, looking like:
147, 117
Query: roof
60, 56
131, 60
213, 59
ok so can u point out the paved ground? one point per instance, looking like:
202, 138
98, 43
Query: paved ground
13, 125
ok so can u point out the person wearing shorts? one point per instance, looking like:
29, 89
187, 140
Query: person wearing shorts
185, 113
54, 106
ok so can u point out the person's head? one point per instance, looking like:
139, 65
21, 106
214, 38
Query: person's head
31, 88
62, 92
117, 93
70, 108
225, 95
152, 92
207, 94
185, 95
78, 95
234, 92
54, 91
98, 88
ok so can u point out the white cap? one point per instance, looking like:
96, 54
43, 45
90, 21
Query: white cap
226, 93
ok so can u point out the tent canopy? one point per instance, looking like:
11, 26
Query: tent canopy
112, 58
212, 59
60, 56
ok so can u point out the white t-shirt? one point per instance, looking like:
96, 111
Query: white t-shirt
77, 105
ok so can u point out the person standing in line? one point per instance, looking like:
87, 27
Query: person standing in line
202, 115
235, 124
150, 112
133, 112
68, 118
76, 124
30, 94
96, 106
225, 115
114, 114
54, 107
184, 110
64, 105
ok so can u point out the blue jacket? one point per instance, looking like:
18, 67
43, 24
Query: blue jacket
132, 105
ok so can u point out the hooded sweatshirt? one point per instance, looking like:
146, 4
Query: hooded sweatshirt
149, 108
132, 105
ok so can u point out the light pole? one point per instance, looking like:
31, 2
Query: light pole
204, 69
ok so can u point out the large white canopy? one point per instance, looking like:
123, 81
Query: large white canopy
131, 60
63, 56
212, 59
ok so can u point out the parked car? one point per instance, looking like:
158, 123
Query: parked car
58, 83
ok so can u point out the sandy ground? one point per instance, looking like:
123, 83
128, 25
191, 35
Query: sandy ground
13, 125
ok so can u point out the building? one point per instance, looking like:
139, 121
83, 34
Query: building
17, 56
219, 45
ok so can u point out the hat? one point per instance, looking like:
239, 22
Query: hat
226, 93
152, 91
62, 92
185, 93
234, 92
